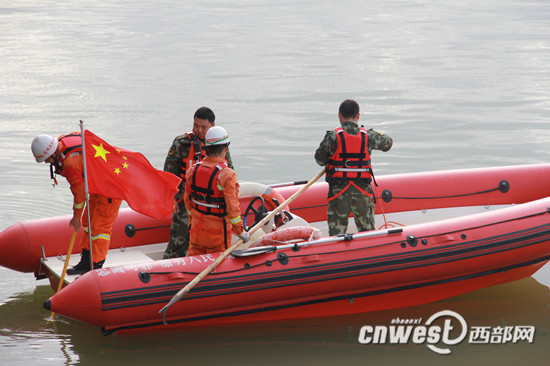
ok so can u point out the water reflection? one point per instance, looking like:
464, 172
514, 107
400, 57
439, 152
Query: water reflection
457, 84
323, 341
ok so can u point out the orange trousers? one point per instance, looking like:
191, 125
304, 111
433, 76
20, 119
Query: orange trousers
103, 213
207, 234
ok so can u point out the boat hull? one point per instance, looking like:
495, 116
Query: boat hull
24, 244
424, 263
498, 231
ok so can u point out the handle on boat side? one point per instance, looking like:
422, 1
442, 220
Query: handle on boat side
344, 237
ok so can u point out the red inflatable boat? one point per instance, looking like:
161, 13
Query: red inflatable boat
440, 234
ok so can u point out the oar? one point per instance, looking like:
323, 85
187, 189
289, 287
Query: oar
344, 237
286, 184
228, 251
64, 272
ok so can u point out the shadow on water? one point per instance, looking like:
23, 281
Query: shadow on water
319, 341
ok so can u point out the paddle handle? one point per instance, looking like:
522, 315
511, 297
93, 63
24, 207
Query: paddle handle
228, 251
286, 184
64, 272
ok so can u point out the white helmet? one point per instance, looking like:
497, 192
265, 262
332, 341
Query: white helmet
43, 146
216, 136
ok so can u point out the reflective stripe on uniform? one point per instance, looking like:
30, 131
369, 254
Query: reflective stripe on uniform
98, 236
101, 236
235, 220
204, 204
351, 169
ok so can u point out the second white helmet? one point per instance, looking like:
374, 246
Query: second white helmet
43, 146
216, 136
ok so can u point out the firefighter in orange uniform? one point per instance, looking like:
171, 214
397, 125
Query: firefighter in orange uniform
64, 155
212, 198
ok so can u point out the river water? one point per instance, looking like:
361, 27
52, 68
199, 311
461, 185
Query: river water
457, 84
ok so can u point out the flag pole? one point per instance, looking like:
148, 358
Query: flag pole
86, 194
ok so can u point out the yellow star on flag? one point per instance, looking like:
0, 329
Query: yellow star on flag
100, 151
117, 171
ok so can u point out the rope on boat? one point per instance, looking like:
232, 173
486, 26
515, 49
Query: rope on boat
387, 195
503, 186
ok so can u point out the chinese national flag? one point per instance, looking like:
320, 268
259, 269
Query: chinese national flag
117, 173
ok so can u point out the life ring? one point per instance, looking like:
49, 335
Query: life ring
272, 198
287, 234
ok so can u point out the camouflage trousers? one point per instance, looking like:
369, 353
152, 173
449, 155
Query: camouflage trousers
350, 201
179, 233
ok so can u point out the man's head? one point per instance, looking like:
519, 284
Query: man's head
202, 121
348, 111
43, 148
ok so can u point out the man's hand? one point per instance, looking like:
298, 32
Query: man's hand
75, 223
245, 237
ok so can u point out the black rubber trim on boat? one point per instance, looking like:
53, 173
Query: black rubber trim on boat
504, 186
144, 276
283, 258
386, 195
347, 237
130, 230
412, 240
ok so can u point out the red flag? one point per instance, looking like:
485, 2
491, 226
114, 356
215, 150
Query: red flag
118, 173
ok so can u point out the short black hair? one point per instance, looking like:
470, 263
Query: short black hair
215, 149
205, 113
349, 108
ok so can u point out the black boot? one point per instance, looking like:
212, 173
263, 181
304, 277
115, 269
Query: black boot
83, 266
98, 265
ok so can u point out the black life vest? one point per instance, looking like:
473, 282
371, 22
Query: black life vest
207, 198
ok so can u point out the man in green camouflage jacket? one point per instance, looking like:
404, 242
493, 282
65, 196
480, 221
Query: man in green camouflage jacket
186, 150
346, 152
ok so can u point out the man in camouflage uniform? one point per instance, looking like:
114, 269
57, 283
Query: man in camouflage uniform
350, 191
186, 150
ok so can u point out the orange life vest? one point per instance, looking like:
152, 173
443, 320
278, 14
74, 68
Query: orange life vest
197, 153
207, 198
351, 161
68, 144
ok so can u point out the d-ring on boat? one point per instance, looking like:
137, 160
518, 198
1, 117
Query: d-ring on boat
441, 234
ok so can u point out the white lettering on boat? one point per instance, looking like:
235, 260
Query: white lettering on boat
165, 263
